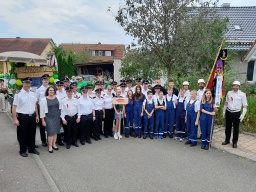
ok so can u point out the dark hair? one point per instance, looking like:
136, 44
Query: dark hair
47, 91
136, 95
170, 80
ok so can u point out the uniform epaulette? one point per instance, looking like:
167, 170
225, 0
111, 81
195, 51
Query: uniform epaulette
102, 97
93, 97
38, 87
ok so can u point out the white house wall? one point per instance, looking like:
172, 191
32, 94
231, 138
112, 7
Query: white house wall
117, 66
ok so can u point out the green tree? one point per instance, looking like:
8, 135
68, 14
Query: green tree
182, 35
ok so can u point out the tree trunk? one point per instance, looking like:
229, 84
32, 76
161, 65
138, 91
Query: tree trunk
169, 71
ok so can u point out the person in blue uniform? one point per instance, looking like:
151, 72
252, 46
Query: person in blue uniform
148, 107
160, 107
171, 100
207, 117
192, 119
138, 99
180, 115
129, 115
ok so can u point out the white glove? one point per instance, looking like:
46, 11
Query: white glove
243, 114
224, 111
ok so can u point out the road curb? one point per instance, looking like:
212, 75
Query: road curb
46, 174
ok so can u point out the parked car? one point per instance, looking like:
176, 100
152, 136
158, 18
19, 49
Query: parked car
88, 77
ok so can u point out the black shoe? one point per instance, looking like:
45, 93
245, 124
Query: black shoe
34, 151
193, 144
206, 147
171, 136
106, 136
225, 143
95, 138
202, 146
135, 136
131, 134
111, 135
44, 144
164, 136
145, 137
82, 142
56, 149
24, 154
188, 142
60, 143
99, 138
75, 144
36, 146
126, 135
51, 151
234, 145
68, 146
89, 142
139, 136
151, 137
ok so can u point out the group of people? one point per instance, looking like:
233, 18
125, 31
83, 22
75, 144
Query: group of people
69, 113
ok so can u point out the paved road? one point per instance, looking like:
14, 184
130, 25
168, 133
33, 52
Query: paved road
132, 165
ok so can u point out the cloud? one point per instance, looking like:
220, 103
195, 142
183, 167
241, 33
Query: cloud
79, 21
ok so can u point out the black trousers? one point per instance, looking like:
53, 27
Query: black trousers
71, 130
42, 128
108, 122
85, 125
60, 136
97, 124
26, 132
232, 119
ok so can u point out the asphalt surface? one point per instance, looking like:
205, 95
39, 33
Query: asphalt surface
126, 165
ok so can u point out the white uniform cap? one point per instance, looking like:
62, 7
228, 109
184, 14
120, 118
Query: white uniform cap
200, 81
185, 83
236, 83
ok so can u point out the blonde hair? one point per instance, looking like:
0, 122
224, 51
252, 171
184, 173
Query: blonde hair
204, 98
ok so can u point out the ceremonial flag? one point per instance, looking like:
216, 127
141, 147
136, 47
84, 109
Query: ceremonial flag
53, 62
216, 79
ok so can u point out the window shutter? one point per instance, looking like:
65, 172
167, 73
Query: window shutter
250, 70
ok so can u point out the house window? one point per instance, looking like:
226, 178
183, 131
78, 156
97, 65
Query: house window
237, 28
108, 53
99, 53
93, 53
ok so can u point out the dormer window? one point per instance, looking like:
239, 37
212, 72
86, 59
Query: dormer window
237, 28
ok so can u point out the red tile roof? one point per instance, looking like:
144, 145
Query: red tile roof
80, 48
32, 45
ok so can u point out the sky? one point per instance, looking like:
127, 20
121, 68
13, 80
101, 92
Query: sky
69, 21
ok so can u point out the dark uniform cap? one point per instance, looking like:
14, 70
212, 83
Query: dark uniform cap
83, 88
89, 86
45, 76
27, 80
129, 81
114, 83
1, 79
69, 88
97, 83
122, 81
59, 83
65, 79
138, 79
158, 87
74, 84
122, 85
98, 90
145, 81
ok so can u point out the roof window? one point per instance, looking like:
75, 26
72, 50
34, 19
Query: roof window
237, 28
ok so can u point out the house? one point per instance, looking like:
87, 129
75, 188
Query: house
105, 59
39, 46
241, 36
250, 59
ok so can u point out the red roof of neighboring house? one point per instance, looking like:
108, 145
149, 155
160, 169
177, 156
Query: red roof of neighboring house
249, 50
31, 45
80, 48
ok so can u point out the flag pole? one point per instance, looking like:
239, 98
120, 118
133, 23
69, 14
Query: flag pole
213, 67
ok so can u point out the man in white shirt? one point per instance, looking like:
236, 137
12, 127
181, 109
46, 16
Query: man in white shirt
114, 88
25, 116
138, 83
200, 92
129, 85
76, 94
40, 92
69, 118
145, 88
123, 92
235, 100
186, 89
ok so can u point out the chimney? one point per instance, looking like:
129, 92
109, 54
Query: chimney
17, 37
225, 5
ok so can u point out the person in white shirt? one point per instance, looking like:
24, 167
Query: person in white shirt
66, 82
180, 115
69, 118
235, 100
86, 116
98, 102
160, 107
61, 93
90, 92
3, 91
76, 94
138, 83
123, 92
185, 85
157, 91
129, 85
145, 88
149, 108
171, 100
114, 87
200, 92
25, 116
109, 113
192, 119
40, 92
